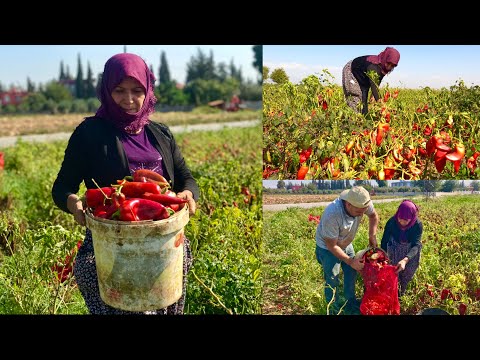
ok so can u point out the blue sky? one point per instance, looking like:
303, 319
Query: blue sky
41, 63
435, 66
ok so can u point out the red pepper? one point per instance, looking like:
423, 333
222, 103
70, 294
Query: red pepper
164, 199
105, 211
145, 175
2, 161
302, 171
98, 196
142, 209
458, 154
440, 160
135, 189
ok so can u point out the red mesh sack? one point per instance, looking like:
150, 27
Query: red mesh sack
381, 285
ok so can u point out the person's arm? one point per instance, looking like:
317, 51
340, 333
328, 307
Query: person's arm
69, 178
415, 239
338, 252
373, 220
387, 232
373, 85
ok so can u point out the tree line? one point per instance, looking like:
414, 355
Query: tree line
205, 81
377, 186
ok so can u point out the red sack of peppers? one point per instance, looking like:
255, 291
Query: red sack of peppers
381, 284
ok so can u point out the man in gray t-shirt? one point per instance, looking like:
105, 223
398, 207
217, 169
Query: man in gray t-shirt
334, 249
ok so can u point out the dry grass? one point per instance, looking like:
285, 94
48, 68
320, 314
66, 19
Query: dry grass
15, 125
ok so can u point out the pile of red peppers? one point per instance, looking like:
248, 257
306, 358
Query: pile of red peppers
144, 196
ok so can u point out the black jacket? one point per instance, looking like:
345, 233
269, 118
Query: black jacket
414, 236
94, 151
360, 68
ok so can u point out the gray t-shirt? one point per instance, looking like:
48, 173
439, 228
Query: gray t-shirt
335, 223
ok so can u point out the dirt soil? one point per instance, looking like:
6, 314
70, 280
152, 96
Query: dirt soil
272, 199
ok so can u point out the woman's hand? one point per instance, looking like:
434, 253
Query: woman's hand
187, 194
401, 265
75, 205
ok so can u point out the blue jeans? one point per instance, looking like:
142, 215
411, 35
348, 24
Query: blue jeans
331, 270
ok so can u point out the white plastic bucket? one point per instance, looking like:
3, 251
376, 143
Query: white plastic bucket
139, 263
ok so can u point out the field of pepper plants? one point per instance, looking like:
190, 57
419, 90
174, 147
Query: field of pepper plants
448, 276
310, 133
38, 241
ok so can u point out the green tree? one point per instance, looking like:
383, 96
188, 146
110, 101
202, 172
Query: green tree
90, 85
200, 67
279, 76
258, 60
56, 92
30, 86
448, 186
163, 71
265, 73
382, 183
476, 185
62, 75
79, 85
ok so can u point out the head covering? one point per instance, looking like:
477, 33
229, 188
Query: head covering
407, 211
357, 196
117, 68
390, 55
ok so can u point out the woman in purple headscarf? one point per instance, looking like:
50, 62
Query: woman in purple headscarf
356, 82
402, 242
114, 143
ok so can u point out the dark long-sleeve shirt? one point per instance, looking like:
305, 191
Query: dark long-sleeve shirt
94, 151
413, 235
360, 67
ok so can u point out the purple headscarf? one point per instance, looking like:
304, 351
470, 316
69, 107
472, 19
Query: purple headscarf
117, 68
390, 55
407, 211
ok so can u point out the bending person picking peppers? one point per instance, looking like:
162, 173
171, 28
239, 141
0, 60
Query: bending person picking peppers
334, 244
118, 141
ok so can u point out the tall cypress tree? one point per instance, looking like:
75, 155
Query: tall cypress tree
30, 85
163, 71
62, 73
90, 84
258, 60
79, 84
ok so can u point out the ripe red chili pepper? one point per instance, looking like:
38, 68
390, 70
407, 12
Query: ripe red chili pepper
439, 144
105, 211
142, 209
440, 160
135, 189
146, 175
2, 160
98, 196
458, 154
349, 146
164, 199
302, 171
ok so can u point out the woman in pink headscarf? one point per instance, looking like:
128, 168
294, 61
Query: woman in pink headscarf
111, 145
402, 242
357, 84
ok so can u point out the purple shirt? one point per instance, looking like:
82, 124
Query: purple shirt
141, 154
